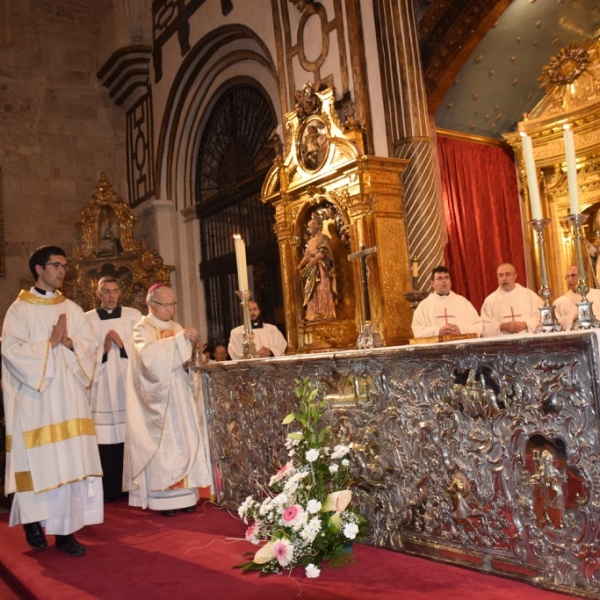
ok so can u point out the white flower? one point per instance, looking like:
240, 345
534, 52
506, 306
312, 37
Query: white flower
345, 462
312, 455
333, 468
313, 506
340, 451
350, 530
246, 504
311, 529
312, 571
280, 499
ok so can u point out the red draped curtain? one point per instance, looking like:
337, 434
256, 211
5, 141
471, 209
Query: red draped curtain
483, 215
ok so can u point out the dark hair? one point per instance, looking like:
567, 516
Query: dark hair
439, 270
40, 256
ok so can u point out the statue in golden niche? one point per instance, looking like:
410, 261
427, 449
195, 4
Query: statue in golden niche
318, 273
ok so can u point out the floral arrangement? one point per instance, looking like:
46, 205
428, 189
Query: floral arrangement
306, 516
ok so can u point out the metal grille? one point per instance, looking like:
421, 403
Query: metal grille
233, 159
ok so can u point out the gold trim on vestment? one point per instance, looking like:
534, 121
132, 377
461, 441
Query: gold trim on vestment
89, 385
58, 432
8, 443
24, 481
27, 296
48, 348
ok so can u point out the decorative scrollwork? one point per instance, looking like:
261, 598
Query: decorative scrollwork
566, 66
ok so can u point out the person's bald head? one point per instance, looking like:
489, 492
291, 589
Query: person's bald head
507, 277
161, 303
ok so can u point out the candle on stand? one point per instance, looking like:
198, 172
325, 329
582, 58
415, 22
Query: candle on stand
571, 170
415, 266
532, 182
240, 259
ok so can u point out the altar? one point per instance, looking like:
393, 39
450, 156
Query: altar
483, 453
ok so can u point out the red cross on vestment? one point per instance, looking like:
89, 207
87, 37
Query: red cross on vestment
446, 316
512, 315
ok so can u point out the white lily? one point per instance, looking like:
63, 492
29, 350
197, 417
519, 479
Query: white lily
336, 501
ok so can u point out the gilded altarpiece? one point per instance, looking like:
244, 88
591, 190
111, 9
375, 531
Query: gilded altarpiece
572, 83
324, 181
109, 248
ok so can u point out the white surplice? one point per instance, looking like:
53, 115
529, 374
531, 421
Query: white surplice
108, 391
267, 336
52, 462
520, 304
166, 456
565, 306
436, 311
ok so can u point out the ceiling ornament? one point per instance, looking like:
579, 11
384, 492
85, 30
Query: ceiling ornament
566, 66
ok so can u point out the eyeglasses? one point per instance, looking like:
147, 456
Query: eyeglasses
166, 304
58, 265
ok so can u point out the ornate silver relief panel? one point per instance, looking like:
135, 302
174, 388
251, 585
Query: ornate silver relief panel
482, 453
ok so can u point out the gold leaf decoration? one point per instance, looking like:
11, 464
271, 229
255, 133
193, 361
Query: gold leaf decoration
566, 66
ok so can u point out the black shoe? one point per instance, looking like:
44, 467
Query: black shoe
189, 509
69, 545
168, 513
34, 534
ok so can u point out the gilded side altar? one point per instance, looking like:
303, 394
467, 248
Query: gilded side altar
484, 453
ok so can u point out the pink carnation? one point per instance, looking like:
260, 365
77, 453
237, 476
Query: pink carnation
251, 533
284, 552
292, 515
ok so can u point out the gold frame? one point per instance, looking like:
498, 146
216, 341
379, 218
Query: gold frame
108, 247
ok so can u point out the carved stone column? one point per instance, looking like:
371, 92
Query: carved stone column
408, 129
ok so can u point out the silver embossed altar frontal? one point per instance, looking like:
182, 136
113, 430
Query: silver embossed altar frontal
484, 453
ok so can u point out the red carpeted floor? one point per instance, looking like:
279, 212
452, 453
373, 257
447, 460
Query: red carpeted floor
139, 554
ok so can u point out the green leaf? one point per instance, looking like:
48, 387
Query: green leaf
288, 419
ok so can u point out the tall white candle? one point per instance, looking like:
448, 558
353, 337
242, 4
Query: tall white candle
571, 171
240, 259
532, 182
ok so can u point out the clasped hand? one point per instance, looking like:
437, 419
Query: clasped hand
60, 334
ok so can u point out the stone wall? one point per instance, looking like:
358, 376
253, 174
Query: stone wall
58, 128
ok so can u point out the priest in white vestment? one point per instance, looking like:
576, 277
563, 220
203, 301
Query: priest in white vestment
52, 462
565, 306
166, 458
512, 308
113, 326
268, 340
443, 312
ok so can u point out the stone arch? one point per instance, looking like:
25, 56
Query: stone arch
216, 62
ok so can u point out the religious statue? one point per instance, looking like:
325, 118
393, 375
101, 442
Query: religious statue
318, 274
548, 485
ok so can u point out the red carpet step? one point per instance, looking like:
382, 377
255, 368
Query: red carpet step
139, 554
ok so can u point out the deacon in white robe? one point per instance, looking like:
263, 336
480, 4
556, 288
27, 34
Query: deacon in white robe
166, 456
443, 312
565, 306
268, 340
113, 326
52, 462
512, 308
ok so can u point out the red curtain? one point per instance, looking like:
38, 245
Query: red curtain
483, 215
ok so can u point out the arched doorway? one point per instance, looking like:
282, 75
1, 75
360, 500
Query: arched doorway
233, 159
